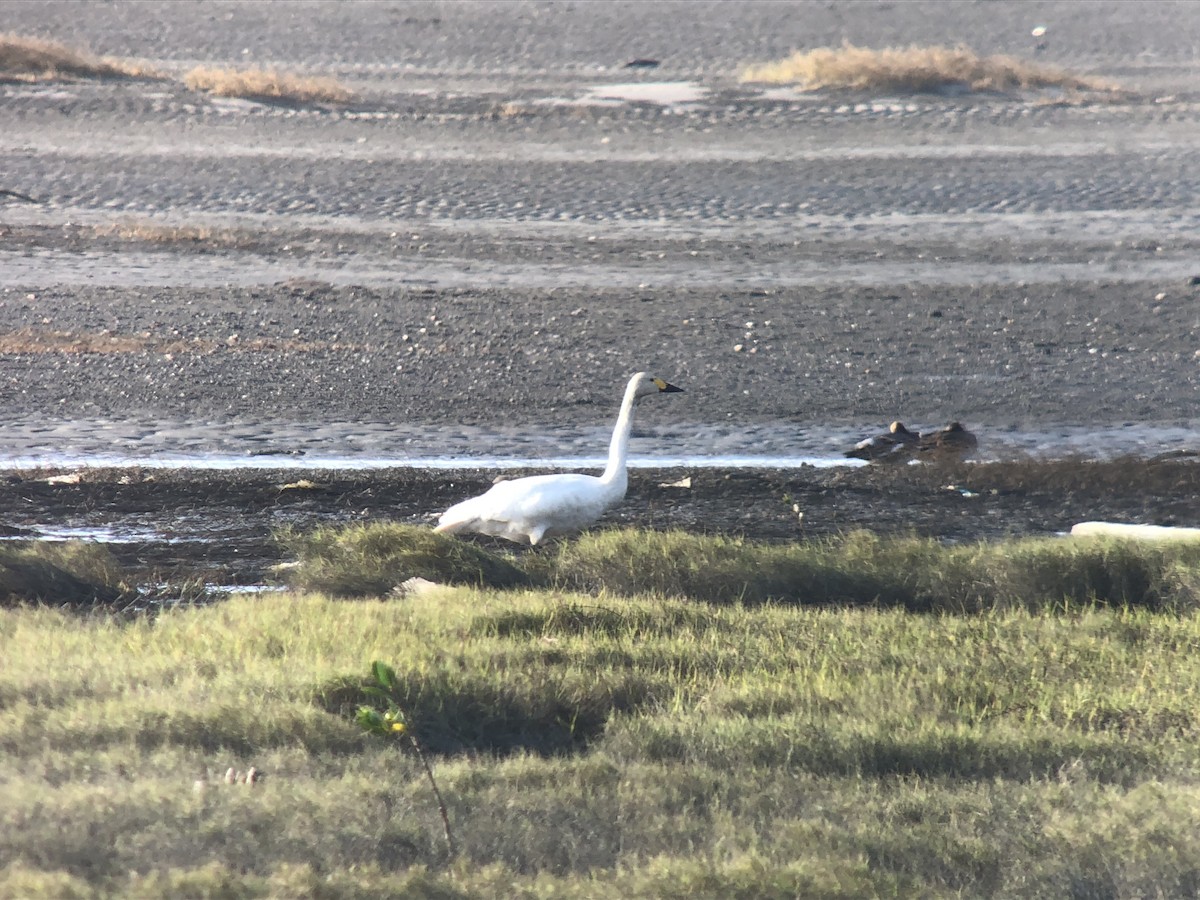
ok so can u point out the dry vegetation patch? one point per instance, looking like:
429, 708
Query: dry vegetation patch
155, 233
28, 340
916, 70
269, 85
29, 59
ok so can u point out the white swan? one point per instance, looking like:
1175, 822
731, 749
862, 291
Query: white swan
541, 506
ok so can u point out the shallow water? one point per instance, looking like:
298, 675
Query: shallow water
101, 534
31, 444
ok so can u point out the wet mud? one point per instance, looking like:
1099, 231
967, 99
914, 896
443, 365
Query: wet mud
221, 527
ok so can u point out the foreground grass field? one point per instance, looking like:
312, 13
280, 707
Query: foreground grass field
619, 744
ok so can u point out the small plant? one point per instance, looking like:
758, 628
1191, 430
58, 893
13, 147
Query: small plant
393, 723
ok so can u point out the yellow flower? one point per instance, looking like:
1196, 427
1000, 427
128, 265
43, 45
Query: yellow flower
398, 726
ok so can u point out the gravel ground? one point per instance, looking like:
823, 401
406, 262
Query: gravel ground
472, 242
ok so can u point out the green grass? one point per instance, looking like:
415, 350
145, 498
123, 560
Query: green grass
69, 572
371, 560
598, 745
859, 569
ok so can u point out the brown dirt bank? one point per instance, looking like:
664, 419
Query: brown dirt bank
176, 524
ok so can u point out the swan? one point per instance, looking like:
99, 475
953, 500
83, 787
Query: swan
892, 446
529, 510
947, 443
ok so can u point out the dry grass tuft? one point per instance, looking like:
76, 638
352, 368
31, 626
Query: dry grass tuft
32, 59
28, 341
269, 85
154, 233
512, 110
915, 70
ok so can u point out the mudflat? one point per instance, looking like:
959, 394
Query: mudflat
509, 218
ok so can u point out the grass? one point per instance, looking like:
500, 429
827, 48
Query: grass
268, 85
72, 573
31, 59
366, 560
915, 70
601, 746
916, 574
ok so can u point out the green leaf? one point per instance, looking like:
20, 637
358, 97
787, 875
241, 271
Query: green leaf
371, 721
372, 691
385, 675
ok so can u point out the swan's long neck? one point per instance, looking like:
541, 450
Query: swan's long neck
614, 473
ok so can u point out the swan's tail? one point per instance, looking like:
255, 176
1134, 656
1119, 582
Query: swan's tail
448, 524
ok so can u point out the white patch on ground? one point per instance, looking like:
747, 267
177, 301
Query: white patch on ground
781, 93
675, 94
232, 105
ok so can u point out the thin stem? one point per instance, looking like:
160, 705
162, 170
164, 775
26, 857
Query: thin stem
436, 793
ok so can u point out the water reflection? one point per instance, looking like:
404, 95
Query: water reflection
160, 444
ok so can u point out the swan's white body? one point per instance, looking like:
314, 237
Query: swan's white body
529, 510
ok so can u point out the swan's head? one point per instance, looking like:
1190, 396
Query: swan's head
644, 384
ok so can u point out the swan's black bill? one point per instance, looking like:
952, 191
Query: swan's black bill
667, 388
